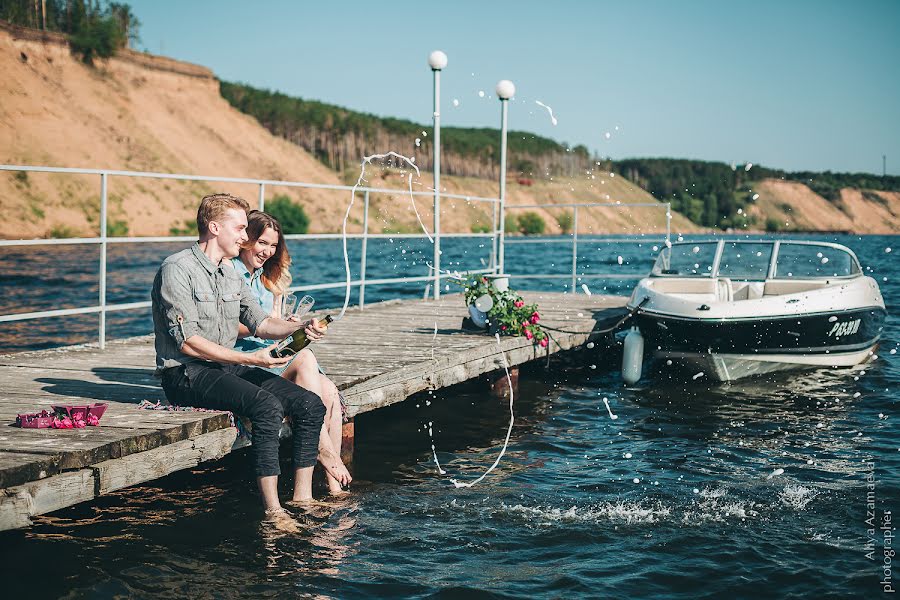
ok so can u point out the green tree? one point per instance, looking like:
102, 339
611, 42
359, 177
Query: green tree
531, 223
565, 221
99, 38
511, 224
292, 217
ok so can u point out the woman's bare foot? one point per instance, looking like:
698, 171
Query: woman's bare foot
338, 471
338, 492
282, 520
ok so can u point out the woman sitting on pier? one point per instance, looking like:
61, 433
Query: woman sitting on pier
264, 263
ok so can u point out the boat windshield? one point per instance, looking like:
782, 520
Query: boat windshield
746, 260
686, 260
811, 261
742, 260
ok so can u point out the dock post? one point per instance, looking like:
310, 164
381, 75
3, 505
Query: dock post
500, 385
347, 435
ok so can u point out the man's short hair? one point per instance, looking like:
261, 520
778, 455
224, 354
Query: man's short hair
214, 207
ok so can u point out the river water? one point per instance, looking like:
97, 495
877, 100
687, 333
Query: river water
753, 489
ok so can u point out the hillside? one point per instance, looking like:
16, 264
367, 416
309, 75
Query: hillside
793, 205
135, 112
148, 113
145, 113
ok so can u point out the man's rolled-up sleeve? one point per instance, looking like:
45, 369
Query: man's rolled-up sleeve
252, 314
178, 305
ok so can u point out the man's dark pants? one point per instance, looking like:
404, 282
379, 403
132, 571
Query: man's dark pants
258, 394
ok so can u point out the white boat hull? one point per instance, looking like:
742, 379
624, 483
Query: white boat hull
730, 367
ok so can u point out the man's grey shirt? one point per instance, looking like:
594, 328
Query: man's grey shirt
192, 296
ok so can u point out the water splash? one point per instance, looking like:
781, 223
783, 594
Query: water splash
549, 110
609, 410
460, 484
362, 172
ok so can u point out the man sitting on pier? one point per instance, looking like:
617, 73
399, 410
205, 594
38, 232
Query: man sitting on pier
198, 300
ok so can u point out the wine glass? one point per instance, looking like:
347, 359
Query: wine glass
304, 306
288, 306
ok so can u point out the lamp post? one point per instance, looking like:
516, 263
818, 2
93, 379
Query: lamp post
437, 60
505, 90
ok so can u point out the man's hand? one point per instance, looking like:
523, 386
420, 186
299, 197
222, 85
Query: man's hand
314, 333
263, 358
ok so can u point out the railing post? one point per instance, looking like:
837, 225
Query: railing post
362, 260
103, 244
668, 222
436, 66
437, 247
493, 263
262, 196
574, 247
502, 224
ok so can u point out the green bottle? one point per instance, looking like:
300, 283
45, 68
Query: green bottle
301, 341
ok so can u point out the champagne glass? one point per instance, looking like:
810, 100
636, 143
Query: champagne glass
288, 306
304, 306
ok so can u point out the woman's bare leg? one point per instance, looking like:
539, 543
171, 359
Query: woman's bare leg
333, 422
304, 371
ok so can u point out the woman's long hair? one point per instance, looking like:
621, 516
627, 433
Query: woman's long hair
276, 275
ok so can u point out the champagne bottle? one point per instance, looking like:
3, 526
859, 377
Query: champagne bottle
301, 341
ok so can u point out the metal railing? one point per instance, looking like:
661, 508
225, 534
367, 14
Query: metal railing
434, 278
575, 206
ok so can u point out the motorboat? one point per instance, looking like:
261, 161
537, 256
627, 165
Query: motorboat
729, 309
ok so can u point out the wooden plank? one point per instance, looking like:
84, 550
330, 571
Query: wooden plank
19, 467
19, 503
377, 356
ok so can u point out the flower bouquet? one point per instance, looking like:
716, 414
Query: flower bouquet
503, 312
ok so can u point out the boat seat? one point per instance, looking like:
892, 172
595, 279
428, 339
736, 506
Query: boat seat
755, 290
747, 290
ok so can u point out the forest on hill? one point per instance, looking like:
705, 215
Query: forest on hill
339, 137
713, 193
94, 30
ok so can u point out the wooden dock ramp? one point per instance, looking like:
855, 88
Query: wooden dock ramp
377, 357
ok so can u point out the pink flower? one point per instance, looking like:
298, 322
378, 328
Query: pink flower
519, 303
535, 318
524, 324
62, 423
543, 343
93, 420
503, 328
528, 334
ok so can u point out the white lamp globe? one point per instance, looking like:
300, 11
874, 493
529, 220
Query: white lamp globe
437, 60
505, 89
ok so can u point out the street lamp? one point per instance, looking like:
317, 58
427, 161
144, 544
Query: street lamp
505, 90
437, 60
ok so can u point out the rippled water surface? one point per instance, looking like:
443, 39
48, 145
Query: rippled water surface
754, 489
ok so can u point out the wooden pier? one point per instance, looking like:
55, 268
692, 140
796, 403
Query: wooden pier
377, 357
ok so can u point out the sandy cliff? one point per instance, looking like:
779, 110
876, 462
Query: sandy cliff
140, 112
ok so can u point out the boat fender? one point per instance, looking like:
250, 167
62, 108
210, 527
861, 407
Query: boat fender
633, 356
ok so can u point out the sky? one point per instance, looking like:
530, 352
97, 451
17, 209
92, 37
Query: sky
791, 84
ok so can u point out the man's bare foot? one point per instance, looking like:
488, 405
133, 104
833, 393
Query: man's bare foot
338, 492
282, 520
